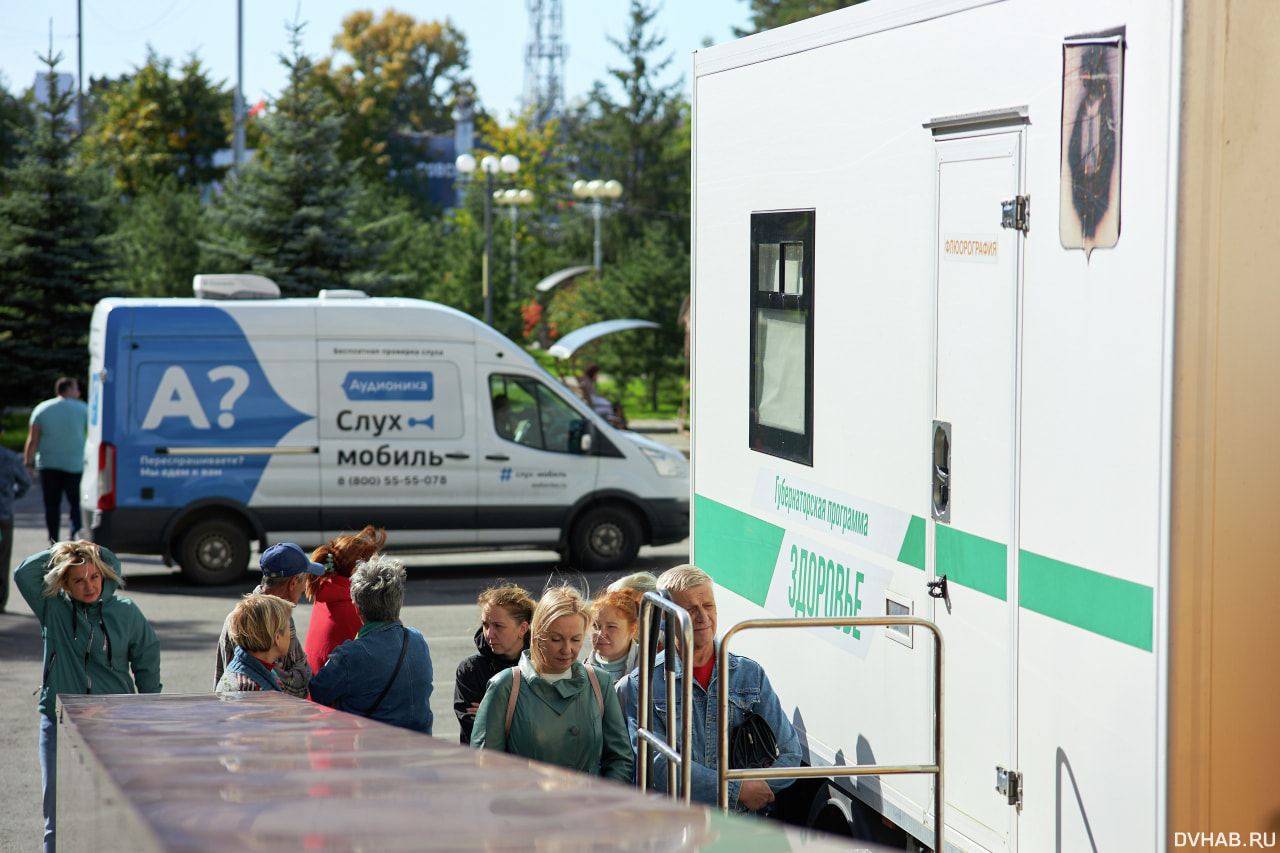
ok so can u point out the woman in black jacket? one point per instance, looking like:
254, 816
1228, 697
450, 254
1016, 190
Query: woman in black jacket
505, 612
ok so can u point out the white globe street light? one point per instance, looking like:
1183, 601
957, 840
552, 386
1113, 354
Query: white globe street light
597, 190
513, 199
491, 165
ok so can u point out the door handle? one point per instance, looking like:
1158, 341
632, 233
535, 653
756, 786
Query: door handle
497, 457
457, 456
941, 498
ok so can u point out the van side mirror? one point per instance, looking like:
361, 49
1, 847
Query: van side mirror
585, 444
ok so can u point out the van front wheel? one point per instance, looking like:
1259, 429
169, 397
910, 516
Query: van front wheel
605, 538
214, 552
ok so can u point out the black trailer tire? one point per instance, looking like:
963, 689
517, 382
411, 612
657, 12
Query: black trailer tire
606, 538
214, 552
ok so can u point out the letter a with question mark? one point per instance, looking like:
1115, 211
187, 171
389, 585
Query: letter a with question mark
175, 397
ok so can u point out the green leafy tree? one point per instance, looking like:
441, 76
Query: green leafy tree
152, 124
52, 260
291, 215
771, 14
648, 282
396, 90
155, 243
540, 249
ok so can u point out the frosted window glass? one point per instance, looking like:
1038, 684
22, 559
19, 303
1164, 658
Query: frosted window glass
780, 347
769, 268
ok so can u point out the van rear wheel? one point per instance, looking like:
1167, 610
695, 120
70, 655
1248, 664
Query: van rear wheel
214, 552
605, 538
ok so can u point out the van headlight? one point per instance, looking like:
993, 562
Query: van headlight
666, 464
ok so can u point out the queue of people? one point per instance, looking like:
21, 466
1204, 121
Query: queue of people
529, 690
550, 707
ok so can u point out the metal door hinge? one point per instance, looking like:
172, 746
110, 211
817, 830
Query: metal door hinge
1009, 785
1016, 213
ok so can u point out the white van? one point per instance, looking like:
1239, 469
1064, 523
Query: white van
235, 416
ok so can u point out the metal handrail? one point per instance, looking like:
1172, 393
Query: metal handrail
724, 773
644, 734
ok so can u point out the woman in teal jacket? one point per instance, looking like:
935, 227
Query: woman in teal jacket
561, 714
92, 639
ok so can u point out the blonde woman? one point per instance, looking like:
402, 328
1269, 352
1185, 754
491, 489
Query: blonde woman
562, 712
93, 639
260, 630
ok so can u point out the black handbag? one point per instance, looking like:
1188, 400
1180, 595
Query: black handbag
752, 744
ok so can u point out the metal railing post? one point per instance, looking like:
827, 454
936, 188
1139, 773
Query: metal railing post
724, 773
644, 734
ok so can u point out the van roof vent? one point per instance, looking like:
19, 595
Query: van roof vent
238, 286
343, 294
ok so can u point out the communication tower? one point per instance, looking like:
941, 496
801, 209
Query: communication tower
544, 56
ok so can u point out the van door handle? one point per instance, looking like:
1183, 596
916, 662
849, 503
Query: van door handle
497, 457
457, 456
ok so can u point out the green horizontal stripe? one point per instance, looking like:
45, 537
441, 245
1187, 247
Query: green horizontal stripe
737, 549
912, 550
972, 561
1105, 605
740, 551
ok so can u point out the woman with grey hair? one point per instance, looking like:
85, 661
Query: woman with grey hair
385, 672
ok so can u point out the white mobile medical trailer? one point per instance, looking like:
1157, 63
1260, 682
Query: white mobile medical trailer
985, 305
214, 422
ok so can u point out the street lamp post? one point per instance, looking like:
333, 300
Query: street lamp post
490, 164
513, 199
597, 190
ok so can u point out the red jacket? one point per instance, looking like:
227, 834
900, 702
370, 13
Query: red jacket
334, 620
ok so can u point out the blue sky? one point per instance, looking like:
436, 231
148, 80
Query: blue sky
116, 35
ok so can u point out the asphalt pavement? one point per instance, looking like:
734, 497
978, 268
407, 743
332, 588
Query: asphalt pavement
439, 601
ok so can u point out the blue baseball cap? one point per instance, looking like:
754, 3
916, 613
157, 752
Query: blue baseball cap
285, 560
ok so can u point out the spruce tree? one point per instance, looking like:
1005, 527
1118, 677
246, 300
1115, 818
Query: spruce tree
771, 14
15, 116
52, 259
290, 214
154, 240
642, 140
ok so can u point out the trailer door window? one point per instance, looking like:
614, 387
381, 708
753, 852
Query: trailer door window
781, 408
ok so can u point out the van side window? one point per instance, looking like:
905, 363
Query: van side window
527, 412
780, 412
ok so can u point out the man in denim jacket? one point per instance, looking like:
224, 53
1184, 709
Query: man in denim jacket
749, 690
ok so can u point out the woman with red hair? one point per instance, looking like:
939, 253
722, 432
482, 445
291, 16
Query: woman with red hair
334, 619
